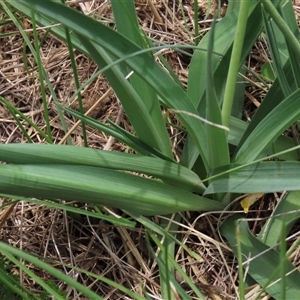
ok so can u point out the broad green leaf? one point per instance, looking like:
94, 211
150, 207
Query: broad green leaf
127, 25
117, 46
275, 55
238, 128
216, 137
289, 35
268, 130
264, 177
265, 263
173, 173
99, 186
120, 134
237, 132
223, 40
267, 71
224, 37
289, 16
271, 100
238, 102
286, 214
131, 101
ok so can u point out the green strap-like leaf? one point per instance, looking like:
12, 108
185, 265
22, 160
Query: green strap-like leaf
224, 37
266, 263
127, 24
286, 214
173, 173
100, 186
265, 177
119, 47
268, 130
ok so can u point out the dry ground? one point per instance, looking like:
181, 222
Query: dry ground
117, 253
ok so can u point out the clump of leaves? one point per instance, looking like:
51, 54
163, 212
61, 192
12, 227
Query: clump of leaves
208, 176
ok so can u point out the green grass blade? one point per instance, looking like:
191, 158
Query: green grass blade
10, 252
11, 286
163, 260
69, 207
168, 278
41, 77
76, 81
18, 114
35, 55
49, 290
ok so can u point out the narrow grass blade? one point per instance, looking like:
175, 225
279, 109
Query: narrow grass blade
10, 252
11, 286
169, 280
120, 134
69, 207
41, 77
34, 53
76, 81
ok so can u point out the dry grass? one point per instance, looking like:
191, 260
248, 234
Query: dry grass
117, 253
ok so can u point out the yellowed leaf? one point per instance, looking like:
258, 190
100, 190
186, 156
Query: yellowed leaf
249, 200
